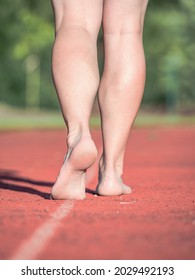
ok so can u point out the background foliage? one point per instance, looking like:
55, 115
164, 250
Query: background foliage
26, 38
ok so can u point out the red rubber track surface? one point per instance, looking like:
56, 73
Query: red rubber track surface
156, 221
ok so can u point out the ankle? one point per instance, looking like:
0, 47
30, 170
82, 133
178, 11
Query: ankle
76, 133
110, 169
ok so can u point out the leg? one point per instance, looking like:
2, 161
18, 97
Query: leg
76, 78
121, 87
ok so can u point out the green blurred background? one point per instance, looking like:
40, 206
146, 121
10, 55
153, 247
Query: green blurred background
27, 95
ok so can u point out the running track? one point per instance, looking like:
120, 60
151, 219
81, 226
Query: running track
157, 221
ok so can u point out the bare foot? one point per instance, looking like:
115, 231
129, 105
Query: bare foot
70, 183
110, 184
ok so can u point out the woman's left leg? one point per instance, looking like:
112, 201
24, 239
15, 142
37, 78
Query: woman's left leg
76, 78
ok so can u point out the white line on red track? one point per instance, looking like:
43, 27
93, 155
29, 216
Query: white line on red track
34, 245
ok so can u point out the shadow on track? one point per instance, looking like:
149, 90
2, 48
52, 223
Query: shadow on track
10, 175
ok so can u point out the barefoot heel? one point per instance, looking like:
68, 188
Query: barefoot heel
84, 154
70, 183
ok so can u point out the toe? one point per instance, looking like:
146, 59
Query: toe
126, 189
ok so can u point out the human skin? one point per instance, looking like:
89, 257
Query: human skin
76, 78
121, 88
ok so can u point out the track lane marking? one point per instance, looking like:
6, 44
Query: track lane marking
35, 244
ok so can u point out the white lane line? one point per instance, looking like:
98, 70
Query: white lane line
36, 243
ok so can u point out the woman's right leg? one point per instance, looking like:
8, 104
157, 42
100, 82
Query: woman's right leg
76, 78
121, 87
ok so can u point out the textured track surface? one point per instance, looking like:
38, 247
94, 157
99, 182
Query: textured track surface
157, 221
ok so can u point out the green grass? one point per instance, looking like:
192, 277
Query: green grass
12, 119
151, 119
31, 122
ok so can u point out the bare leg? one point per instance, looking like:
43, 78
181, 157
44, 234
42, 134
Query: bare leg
76, 78
121, 87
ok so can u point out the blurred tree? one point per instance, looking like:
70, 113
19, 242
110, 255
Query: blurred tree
169, 45
26, 30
